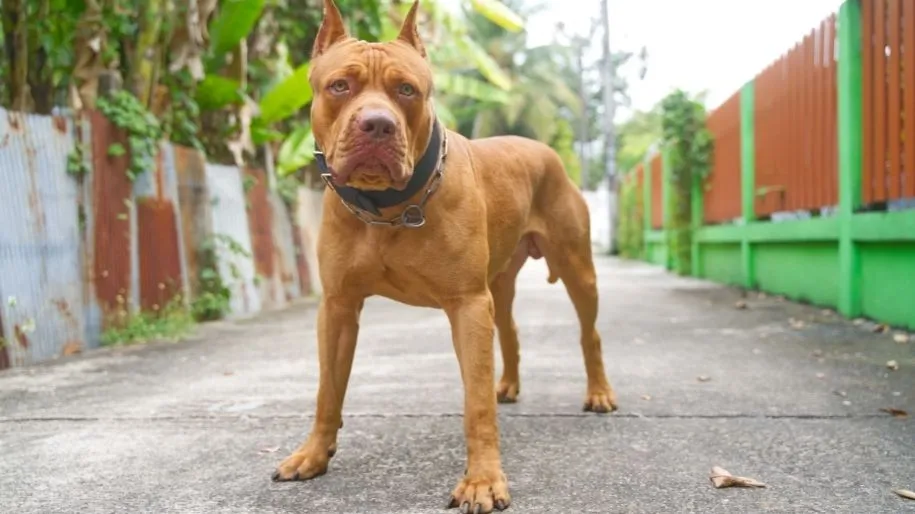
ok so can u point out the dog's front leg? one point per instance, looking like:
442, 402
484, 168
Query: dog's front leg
484, 486
338, 327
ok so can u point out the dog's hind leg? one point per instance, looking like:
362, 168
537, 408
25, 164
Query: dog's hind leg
568, 253
580, 279
503, 295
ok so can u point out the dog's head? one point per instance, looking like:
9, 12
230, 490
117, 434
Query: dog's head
372, 111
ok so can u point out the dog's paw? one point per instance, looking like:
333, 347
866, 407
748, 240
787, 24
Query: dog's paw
481, 493
600, 400
508, 391
304, 464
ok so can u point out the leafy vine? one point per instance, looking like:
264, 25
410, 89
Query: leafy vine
142, 127
632, 223
690, 148
182, 118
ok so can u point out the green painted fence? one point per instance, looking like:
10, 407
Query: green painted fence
855, 259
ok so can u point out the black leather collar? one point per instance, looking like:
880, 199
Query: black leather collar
374, 201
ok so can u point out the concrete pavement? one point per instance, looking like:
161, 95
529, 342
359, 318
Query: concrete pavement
198, 426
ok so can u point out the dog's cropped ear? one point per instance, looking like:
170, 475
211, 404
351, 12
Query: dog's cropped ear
332, 29
409, 33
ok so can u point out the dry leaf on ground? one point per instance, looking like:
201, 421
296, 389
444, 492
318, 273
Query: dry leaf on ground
821, 376
901, 338
721, 478
817, 353
896, 413
271, 449
703, 378
880, 329
892, 365
646, 397
905, 493
796, 324
71, 348
740, 305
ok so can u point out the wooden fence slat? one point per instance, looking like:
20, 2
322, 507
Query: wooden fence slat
826, 110
769, 164
908, 60
790, 157
894, 106
761, 117
832, 147
764, 114
823, 108
879, 149
867, 97
788, 106
811, 173
797, 132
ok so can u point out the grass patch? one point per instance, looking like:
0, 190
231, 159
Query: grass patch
172, 323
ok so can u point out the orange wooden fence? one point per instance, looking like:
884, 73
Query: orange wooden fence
795, 124
888, 76
657, 197
722, 190
636, 177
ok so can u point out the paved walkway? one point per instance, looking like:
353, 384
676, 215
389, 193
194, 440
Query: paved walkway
199, 426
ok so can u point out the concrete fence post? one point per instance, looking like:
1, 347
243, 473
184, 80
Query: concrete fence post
747, 181
849, 84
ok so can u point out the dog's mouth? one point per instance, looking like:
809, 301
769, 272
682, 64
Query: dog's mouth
370, 167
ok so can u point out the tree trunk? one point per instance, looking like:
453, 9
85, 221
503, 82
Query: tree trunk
88, 48
145, 66
16, 34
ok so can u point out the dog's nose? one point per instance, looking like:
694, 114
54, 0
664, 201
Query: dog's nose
377, 124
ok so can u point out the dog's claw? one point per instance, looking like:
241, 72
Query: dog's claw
600, 401
465, 508
452, 503
478, 509
276, 476
500, 505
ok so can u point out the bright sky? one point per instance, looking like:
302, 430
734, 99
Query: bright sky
714, 45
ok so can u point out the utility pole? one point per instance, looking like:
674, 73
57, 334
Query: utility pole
608, 80
583, 156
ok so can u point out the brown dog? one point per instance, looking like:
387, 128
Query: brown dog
431, 219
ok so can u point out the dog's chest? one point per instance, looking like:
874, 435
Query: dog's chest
398, 268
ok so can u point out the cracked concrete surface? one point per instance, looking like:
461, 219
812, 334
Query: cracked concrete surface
198, 426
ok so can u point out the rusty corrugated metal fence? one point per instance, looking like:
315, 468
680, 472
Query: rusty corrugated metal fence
232, 237
41, 300
80, 253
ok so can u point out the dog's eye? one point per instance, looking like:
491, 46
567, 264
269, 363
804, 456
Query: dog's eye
407, 90
339, 86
